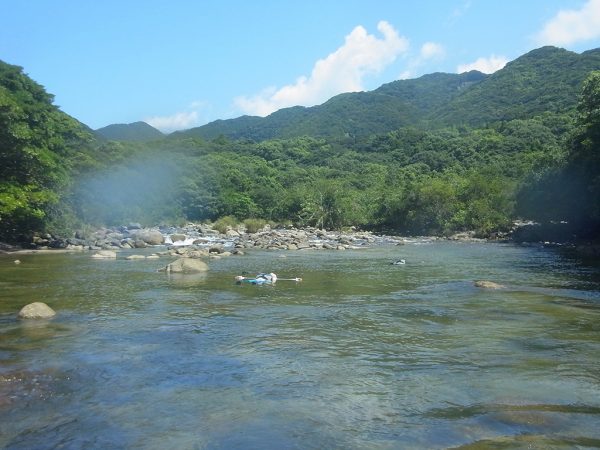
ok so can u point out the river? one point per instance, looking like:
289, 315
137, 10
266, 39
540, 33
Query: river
359, 355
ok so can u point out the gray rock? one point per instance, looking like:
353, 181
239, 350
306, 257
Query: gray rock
197, 254
139, 244
177, 237
36, 310
133, 257
75, 241
186, 265
150, 237
105, 254
216, 249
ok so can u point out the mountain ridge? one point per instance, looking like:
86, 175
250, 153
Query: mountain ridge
132, 132
544, 79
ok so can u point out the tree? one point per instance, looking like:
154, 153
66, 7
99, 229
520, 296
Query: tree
38, 145
584, 157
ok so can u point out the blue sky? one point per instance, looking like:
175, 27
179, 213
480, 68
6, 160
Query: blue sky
180, 64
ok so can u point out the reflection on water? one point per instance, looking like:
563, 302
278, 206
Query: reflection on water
360, 355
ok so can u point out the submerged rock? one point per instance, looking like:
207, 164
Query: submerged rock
105, 254
133, 257
36, 310
488, 285
186, 265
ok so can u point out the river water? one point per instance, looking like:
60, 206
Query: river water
360, 355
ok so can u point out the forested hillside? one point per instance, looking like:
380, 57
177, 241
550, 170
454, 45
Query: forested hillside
436, 155
544, 80
41, 150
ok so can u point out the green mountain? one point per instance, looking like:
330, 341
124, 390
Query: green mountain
544, 80
132, 132
548, 79
391, 106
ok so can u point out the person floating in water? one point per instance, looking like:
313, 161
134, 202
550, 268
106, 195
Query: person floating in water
263, 278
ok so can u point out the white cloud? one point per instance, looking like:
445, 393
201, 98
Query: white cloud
485, 65
430, 50
177, 121
460, 11
341, 71
571, 26
188, 118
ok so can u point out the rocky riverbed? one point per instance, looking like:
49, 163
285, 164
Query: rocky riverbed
201, 240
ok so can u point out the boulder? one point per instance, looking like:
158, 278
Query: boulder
139, 244
105, 254
36, 310
177, 237
186, 265
488, 285
197, 254
216, 249
151, 237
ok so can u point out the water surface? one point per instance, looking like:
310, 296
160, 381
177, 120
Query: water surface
360, 355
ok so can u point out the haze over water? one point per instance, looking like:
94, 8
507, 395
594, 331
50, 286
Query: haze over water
360, 355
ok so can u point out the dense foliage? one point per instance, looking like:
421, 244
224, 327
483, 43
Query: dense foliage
401, 169
40, 150
570, 192
409, 180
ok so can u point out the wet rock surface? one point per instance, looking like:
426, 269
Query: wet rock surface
36, 310
186, 265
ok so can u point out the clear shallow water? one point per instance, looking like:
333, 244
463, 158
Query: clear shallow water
360, 355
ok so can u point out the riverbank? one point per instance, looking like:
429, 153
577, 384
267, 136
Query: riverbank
203, 236
236, 240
